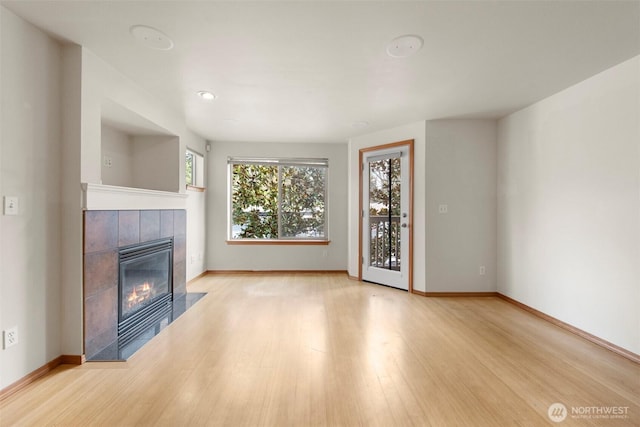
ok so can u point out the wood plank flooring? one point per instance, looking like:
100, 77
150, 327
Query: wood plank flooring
319, 349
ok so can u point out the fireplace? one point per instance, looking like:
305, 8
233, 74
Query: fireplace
145, 288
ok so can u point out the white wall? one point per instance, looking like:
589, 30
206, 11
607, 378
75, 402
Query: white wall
197, 220
461, 173
71, 245
196, 233
116, 145
30, 147
569, 205
156, 162
2, 317
415, 131
221, 256
140, 161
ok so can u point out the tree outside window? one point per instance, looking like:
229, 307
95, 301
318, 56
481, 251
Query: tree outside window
278, 199
189, 168
194, 169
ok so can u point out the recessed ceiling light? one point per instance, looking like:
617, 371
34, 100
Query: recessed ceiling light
151, 37
360, 124
207, 96
404, 46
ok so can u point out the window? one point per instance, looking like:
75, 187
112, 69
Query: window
194, 169
278, 199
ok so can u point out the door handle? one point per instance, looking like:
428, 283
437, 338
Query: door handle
404, 225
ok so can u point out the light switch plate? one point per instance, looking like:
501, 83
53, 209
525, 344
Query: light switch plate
10, 205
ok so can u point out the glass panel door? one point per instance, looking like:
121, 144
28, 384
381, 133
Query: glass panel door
384, 213
385, 216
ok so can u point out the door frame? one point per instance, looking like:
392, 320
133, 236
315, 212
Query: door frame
362, 151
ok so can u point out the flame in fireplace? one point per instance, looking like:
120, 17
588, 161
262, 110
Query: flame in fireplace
139, 294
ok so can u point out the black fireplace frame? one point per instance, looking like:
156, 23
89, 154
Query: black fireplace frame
132, 325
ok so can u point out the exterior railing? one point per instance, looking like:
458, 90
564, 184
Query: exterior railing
384, 245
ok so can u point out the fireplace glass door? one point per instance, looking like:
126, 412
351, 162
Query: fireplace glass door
145, 276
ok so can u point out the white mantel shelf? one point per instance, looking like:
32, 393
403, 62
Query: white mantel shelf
99, 197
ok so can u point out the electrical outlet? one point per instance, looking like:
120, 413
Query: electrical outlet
443, 209
483, 270
10, 337
108, 161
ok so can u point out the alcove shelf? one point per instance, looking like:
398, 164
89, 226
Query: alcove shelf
137, 153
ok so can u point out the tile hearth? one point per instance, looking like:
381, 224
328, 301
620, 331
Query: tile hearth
115, 352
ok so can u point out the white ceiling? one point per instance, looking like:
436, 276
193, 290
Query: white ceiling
305, 71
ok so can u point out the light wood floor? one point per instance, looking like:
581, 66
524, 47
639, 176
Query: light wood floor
312, 349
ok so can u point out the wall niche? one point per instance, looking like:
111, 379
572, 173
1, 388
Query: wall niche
137, 153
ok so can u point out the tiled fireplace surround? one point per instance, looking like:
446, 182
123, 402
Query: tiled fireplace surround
104, 232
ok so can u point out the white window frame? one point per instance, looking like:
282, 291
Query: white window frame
280, 162
197, 169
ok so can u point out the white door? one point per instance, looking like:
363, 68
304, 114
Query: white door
386, 216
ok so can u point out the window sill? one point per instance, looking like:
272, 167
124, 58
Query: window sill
194, 188
279, 242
